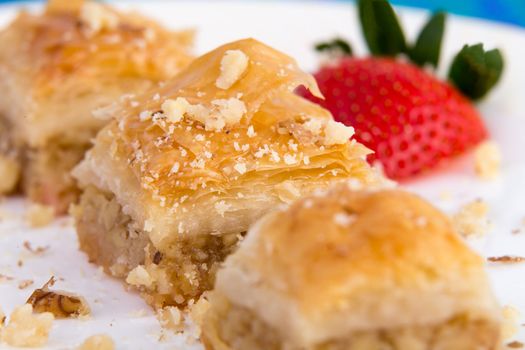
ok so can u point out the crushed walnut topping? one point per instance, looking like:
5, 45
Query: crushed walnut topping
175, 109
39, 215
222, 207
233, 65
98, 342
98, 17
224, 112
60, 304
240, 168
139, 276
337, 133
487, 160
344, 219
471, 219
26, 329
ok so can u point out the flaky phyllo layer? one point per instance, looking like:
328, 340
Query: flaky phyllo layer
224, 142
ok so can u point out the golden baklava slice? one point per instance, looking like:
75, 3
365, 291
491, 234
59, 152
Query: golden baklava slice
353, 269
59, 65
172, 184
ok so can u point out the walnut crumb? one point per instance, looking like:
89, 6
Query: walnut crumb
39, 215
61, 304
98, 17
233, 65
171, 318
139, 276
24, 284
471, 219
26, 329
508, 259
98, 342
37, 251
510, 321
515, 345
487, 160
337, 133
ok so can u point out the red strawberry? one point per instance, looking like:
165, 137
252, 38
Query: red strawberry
409, 118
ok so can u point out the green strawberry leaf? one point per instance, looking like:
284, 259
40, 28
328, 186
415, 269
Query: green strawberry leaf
336, 46
428, 45
475, 71
381, 28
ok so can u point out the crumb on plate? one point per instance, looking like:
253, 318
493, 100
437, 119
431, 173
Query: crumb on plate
515, 345
471, 219
38, 215
510, 321
24, 284
98, 342
487, 160
171, 318
61, 304
26, 329
508, 259
37, 251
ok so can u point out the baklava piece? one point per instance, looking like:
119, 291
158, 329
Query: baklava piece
56, 67
367, 270
172, 184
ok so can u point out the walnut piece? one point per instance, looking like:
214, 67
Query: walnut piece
26, 329
487, 160
60, 304
510, 321
98, 17
171, 318
39, 215
471, 219
233, 65
98, 342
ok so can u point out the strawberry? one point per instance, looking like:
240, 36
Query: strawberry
411, 119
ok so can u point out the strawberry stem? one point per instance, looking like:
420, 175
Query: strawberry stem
381, 28
475, 71
427, 48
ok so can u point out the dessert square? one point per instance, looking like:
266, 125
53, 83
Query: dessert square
58, 66
353, 269
175, 180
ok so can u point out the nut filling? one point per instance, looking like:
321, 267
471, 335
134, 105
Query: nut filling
171, 277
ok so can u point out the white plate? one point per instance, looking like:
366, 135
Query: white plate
291, 27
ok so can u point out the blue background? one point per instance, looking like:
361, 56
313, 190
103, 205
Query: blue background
508, 11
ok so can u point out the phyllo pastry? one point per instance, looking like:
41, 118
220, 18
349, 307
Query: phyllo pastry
353, 269
59, 65
173, 183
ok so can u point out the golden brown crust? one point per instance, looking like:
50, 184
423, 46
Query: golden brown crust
355, 260
278, 147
